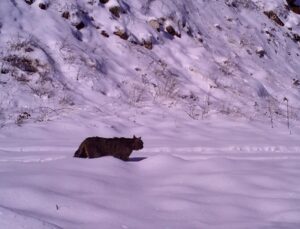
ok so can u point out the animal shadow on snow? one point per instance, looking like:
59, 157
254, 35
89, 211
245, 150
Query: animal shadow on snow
136, 159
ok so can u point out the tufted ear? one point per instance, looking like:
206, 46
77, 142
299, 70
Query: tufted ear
134, 137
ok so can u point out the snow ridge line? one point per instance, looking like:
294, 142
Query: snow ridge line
37, 148
165, 149
232, 149
30, 159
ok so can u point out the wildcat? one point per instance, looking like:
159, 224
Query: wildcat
121, 148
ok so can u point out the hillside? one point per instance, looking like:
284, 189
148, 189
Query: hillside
199, 58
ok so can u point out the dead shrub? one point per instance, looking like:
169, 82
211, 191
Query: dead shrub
23, 63
167, 84
248, 4
22, 118
20, 44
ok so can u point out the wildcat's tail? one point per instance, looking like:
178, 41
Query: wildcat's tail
77, 153
81, 152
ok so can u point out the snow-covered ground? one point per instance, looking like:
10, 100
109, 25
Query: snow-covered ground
198, 57
216, 101
210, 174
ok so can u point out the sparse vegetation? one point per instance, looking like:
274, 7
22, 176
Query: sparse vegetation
23, 63
22, 118
193, 108
206, 105
271, 110
285, 99
136, 94
166, 81
37, 67
241, 4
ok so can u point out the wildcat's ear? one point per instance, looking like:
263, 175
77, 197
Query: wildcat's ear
134, 137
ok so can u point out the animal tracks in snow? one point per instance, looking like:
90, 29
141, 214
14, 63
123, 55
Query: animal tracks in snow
230, 152
39, 154
30, 159
33, 154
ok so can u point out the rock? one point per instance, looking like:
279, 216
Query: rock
104, 33
122, 34
148, 44
103, 1
273, 16
66, 14
296, 37
43, 6
170, 29
4, 71
296, 82
155, 24
260, 52
218, 26
29, 2
115, 10
80, 25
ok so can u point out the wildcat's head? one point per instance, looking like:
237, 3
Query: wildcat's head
137, 143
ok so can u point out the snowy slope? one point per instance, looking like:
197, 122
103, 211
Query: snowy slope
212, 87
226, 57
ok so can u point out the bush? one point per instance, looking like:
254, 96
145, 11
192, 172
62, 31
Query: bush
23, 63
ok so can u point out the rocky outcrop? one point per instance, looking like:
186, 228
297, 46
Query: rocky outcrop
273, 16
